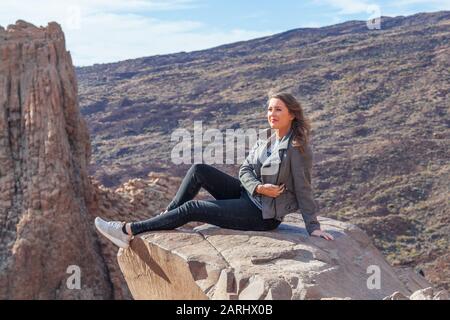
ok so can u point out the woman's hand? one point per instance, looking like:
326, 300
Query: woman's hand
270, 190
322, 234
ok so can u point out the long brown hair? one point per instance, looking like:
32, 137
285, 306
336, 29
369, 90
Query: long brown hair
301, 126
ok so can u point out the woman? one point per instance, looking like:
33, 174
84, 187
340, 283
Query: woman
274, 180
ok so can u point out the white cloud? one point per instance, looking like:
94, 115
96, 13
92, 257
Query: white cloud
348, 6
99, 31
403, 7
117, 37
444, 4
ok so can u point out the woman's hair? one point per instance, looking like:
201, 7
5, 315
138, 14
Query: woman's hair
301, 125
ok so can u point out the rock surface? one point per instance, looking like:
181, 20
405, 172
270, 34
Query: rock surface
213, 263
44, 187
423, 294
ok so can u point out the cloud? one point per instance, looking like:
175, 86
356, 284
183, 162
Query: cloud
410, 6
99, 31
68, 13
445, 4
115, 37
347, 7
403, 7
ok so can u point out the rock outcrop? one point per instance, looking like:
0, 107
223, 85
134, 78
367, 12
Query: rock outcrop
44, 151
213, 263
422, 294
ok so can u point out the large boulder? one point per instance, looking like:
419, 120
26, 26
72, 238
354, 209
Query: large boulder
215, 263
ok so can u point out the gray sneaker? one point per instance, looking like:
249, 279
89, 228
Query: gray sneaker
113, 231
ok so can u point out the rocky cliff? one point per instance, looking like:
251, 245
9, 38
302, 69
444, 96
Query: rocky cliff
44, 187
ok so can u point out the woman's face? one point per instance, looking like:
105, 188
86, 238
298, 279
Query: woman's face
278, 114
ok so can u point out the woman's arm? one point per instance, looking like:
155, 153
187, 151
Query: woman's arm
301, 167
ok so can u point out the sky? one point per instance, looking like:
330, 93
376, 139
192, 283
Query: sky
102, 31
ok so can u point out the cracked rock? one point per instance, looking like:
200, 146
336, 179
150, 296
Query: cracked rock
281, 264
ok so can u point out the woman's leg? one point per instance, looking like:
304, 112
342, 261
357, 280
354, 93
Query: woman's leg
238, 214
219, 184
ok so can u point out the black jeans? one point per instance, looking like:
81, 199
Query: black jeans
232, 209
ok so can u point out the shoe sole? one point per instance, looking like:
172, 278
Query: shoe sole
116, 241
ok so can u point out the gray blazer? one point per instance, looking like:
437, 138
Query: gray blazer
286, 166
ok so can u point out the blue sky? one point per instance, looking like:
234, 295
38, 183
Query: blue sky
100, 31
